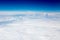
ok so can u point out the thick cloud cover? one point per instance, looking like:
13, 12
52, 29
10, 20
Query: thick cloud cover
30, 26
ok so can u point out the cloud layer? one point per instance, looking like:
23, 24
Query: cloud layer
29, 26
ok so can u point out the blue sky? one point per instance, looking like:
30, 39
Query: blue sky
33, 5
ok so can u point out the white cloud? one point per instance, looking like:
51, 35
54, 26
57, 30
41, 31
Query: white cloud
24, 28
33, 13
30, 29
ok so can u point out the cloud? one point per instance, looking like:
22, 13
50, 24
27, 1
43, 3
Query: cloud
51, 14
20, 15
20, 27
29, 29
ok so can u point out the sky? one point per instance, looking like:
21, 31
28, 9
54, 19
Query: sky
33, 5
29, 20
